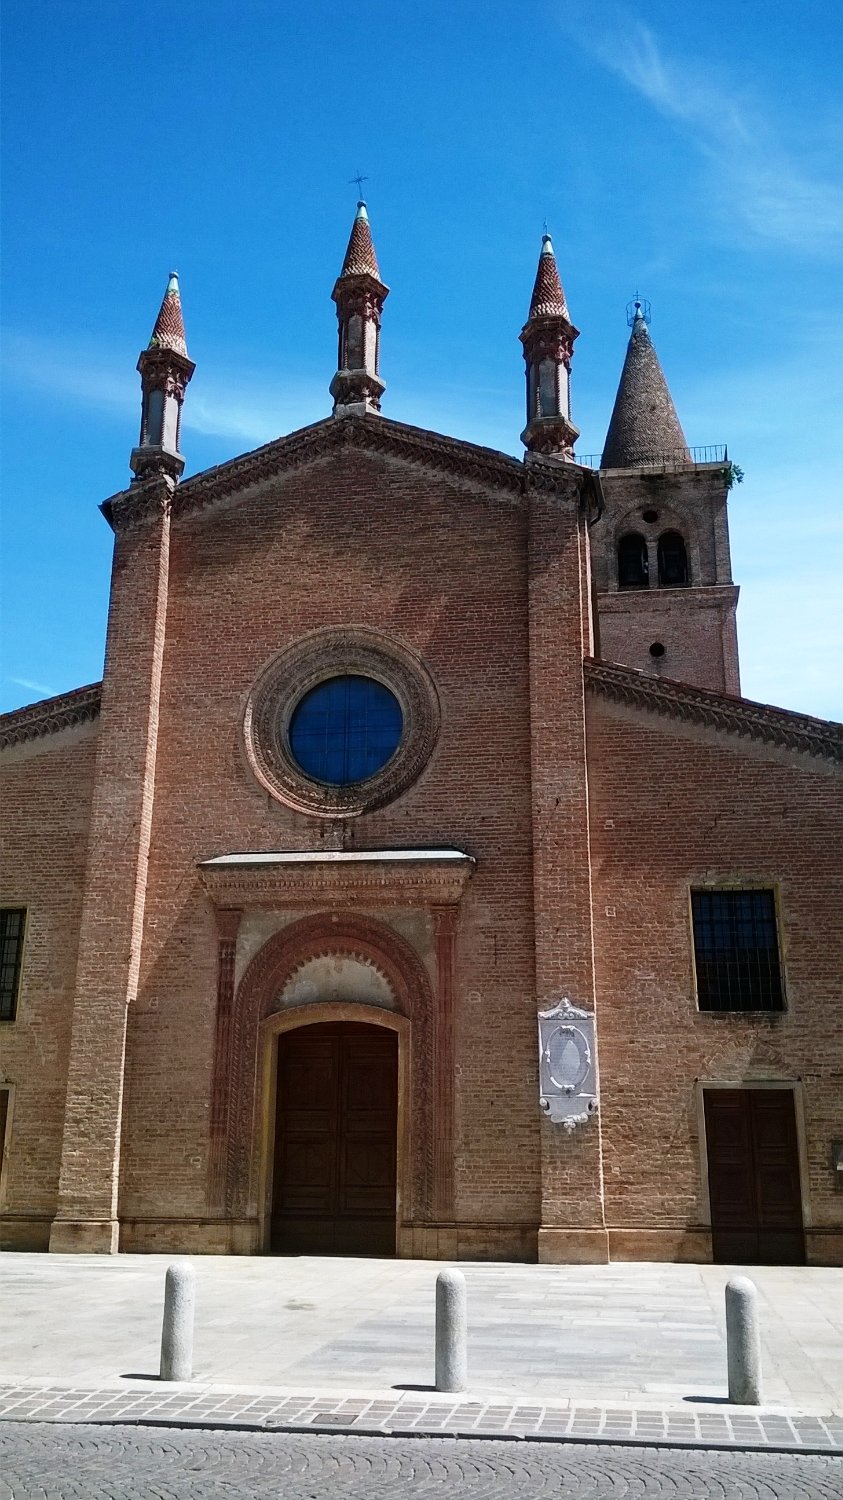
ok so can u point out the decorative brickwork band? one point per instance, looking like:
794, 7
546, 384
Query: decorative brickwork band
445, 920
755, 721
228, 923
494, 474
50, 715
326, 934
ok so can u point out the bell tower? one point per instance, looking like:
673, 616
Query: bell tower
660, 549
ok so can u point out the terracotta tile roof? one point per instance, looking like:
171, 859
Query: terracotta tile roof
168, 332
548, 299
360, 257
644, 425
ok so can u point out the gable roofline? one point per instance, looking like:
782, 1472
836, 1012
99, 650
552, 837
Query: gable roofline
49, 715
374, 434
780, 727
485, 467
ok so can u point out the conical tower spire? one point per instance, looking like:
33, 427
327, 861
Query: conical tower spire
360, 258
644, 427
359, 294
168, 332
548, 299
165, 371
548, 340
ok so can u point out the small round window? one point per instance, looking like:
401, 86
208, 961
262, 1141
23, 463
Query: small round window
345, 729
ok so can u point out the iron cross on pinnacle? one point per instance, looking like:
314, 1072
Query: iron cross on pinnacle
359, 179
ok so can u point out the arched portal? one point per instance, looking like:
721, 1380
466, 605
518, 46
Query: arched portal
326, 969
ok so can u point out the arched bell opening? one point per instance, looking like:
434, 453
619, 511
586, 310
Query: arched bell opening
633, 566
673, 561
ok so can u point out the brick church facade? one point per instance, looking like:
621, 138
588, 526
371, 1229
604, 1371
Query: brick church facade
416, 881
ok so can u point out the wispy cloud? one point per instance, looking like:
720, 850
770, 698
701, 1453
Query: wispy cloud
68, 370
765, 189
32, 687
255, 409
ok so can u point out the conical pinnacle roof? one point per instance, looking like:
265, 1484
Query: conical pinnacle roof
168, 332
644, 427
360, 257
548, 299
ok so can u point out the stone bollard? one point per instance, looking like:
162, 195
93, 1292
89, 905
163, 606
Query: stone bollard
451, 1332
743, 1342
177, 1329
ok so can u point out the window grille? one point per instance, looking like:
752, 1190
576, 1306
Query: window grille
345, 729
736, 948
12, 919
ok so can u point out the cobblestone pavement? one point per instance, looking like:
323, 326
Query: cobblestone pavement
76, 1462
423, 1411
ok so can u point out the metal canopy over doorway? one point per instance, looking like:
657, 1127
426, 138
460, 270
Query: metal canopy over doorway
334, 1177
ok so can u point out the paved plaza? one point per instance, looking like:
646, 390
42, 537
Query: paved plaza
651, 1334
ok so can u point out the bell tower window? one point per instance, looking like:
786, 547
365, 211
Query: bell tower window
633, 568
673, 561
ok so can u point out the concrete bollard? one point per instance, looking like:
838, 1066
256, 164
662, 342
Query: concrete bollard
451, 1332
177, 1329
743, 1342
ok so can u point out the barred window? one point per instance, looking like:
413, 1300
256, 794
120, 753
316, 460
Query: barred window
736, 947
12, 920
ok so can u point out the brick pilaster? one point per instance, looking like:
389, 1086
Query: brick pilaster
228, 923
445, 923
572, 1225
115, 883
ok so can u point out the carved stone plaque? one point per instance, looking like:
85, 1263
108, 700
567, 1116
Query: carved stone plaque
567, 1072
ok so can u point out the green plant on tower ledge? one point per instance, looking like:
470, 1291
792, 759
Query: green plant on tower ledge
732, 475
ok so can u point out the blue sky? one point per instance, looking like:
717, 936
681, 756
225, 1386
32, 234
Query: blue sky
694, 152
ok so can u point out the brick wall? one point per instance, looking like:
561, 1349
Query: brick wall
45, 787
674, 805
441, 566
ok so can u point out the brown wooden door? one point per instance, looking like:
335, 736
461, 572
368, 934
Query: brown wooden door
753, 1176
335, 1134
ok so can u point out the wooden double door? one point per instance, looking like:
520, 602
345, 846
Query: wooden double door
753, 1176
335, 1141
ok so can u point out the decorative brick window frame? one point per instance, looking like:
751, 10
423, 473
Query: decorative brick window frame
311, 660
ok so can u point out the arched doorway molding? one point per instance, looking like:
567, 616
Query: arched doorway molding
256, 1025
284, 1020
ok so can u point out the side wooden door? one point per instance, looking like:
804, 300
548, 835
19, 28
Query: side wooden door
753, 1177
